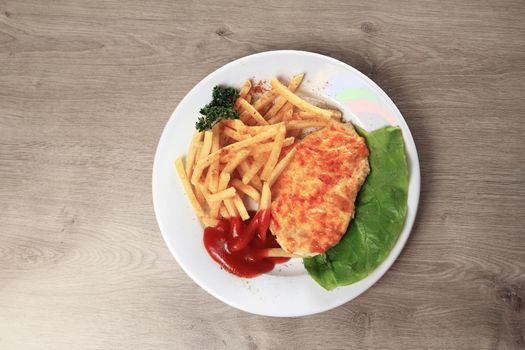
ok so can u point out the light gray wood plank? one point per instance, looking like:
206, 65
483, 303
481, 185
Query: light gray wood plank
86, 88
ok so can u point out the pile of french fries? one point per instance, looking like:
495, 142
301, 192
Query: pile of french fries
242, 158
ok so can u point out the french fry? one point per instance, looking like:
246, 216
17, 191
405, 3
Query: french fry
288, 116
249, 98
252, 111
266, 197
232, 211
288, 112
245, 90
206, 145
213, 206
280, 102
274, 154
264, 147
225, 175
296, 81
261, 150
284, 92
279, 168
205, 151
265, 110
243, 168
223, 139
214, 209
207, 178
304, 124
336, 115
241, 209
264, 135
234, 134
254, 130
288, 141
224, 212
263, 101
179, 167
192, 152
235, 124
250, 191
239, 126
235, 160
245, 117
209, 222
279, 117
198, 148
204, 191
222, 195
254, 169
307, 115
257, 183
213, 171
224, 179
200, 197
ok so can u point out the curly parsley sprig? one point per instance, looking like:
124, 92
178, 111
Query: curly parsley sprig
220, 108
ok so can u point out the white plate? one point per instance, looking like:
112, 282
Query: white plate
288, 290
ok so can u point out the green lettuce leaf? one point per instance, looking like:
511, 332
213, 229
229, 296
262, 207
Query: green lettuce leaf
381, 208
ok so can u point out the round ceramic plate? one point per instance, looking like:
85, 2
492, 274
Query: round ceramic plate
287, 290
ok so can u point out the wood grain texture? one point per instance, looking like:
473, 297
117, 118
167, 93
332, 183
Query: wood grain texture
86, 88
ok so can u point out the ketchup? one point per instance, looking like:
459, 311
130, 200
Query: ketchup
241, 247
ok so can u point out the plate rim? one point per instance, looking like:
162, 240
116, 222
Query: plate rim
396, 249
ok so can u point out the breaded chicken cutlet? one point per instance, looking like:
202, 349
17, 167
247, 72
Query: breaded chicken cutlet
315, 195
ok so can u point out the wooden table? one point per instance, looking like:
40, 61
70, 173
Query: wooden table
86, 88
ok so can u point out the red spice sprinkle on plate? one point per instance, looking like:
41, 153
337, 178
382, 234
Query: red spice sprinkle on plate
261, 86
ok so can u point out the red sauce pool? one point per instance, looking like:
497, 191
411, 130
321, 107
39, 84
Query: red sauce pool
241, 247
